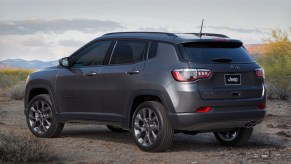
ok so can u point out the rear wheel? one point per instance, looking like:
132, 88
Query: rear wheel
235, 137
116, 129
41, 117
151, 128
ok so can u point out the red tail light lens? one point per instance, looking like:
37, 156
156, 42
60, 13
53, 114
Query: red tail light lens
204, 109
188, 75
260, 72
262, 106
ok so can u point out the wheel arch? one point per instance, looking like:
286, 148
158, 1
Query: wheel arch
32, 91
149, 95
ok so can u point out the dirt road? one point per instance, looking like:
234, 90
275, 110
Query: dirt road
95, 143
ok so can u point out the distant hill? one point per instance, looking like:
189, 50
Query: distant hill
256, 50
32, 64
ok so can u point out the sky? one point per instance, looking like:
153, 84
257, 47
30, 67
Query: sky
51, 29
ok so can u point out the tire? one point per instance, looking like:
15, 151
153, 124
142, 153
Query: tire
116, 129
41, 117
151, 128
235, 137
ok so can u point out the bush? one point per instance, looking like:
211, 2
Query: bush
20, 148
17, 91
10, 77
277, 64
279, 88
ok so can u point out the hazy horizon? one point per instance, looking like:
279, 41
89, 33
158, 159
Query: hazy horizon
48, 30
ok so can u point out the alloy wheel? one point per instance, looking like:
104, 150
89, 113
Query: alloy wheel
146, 127
40, 117
229, 135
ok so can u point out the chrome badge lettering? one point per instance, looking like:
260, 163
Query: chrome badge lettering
230, 79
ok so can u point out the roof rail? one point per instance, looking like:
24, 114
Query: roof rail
136, 32
209, 34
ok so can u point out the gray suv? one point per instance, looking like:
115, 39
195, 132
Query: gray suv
154, 85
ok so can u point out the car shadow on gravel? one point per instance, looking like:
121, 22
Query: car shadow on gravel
202, 142
206, 142
92, 133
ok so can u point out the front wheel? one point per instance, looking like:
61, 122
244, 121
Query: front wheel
235, 137
151, 128
41, 117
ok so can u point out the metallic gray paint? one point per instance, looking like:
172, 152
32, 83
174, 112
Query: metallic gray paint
105, 93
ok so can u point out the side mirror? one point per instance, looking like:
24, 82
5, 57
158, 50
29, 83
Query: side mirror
64, 62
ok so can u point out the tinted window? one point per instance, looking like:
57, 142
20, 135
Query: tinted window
211, 52
92, 54
128, 52
153, 50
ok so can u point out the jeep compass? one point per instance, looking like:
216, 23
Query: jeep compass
153, 85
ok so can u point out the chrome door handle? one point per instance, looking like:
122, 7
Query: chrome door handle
91, 74
132, 72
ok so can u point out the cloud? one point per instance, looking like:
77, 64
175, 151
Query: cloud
34, 42
26, 27
71, 43
238, 30
162, 29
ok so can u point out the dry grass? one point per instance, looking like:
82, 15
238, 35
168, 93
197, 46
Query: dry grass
21, 148
277, 64
11, 77
13, 80
17, 91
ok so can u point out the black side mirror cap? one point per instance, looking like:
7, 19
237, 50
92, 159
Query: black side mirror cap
64, 62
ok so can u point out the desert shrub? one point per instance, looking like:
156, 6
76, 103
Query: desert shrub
10, 77
276, 62
17, 91
21, 148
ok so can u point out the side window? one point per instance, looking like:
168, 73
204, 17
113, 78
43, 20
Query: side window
93, 54
153, 49
127, 51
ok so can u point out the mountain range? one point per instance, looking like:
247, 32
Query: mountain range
32, 64
256, 50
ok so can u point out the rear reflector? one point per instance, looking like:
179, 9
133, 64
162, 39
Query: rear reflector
203, 109
262, 106
188, 75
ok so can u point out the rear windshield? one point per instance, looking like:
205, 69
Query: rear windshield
216, 52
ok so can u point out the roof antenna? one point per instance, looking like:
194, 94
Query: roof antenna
200, 34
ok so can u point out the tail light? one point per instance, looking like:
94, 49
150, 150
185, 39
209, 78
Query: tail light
204, 109
262, 106
188, 75
260, 72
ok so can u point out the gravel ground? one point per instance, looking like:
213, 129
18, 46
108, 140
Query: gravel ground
94, 143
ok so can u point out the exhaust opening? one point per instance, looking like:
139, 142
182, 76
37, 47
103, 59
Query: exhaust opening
251, 124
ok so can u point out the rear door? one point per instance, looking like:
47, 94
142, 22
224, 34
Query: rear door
121, 79
233, 70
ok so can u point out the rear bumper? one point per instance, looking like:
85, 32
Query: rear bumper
218, 120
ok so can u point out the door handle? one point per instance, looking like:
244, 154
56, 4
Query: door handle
132, 72
91, 74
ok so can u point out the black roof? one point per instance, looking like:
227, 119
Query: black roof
169, 37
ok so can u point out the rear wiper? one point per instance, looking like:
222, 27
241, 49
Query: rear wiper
222, 60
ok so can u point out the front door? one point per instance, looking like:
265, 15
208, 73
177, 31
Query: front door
77, 87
